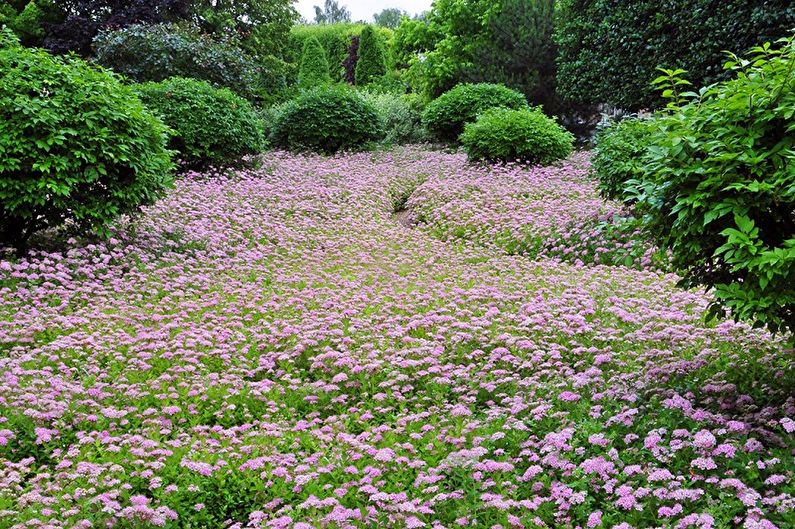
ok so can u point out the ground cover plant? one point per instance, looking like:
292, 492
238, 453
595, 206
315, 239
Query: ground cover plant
277, 348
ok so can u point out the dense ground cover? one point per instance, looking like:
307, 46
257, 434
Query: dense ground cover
273, 348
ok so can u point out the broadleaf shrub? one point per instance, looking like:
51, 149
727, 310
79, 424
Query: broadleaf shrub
326, 120
525, 135
157, 52
212, 126
77, 147
719, 185
314, 69
618, 157
401, 116
446, 115
371, 64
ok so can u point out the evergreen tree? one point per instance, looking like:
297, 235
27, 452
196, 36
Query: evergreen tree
371, 65
314, 69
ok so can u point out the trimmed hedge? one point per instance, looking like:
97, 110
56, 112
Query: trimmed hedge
212, 126
525, 135
326, 120
446, 115
77, 147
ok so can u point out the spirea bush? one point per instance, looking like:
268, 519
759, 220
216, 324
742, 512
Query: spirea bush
400, 114
446, 115
212, 126
618, 157
526, 135
77, 147
326, 120
157, 52
720, 189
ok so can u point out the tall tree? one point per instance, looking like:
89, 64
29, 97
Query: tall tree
331, 13
371, 65
389, 17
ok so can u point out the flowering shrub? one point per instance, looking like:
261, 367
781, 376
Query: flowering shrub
271, 349
211, 125
446, 115
326, 120
77, 148
507, 135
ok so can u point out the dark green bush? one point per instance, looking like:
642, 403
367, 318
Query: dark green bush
720, 186
618, 157
526, 135
609, 50
401, 116
76, 146
446, 116
314, 66
326, 120
371, 64
155, 53
212, 126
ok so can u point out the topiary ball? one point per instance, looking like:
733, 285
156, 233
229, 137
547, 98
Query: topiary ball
77, 146
526, 135
445, 116
326, 120
212, 126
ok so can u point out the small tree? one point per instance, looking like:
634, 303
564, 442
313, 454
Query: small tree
331, 13
314, 68
371, 65
389, 17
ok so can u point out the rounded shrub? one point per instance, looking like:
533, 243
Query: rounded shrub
618, 157
77, 147
400, 114
720, 186
212, 126
314, 65
446, 115
371, 63
527, 135
326, 120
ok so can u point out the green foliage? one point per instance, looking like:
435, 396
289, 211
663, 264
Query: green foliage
8, 39
211, 125
446, 115
610, 49
389, 17
526, 135
371, 65
335, 39
618, 157
76, 146
326, 120
331, 13
314, 66
507, 42
28, 24
401, 116
719, 188
261, 26
157, 52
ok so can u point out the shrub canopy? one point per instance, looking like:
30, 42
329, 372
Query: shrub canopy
371, 64
77, 147
618, 157
314, 65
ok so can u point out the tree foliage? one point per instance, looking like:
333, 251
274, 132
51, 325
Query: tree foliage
389, 17
331, 13
609, 50
371, 63
314, 68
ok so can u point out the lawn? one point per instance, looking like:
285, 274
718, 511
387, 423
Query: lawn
390, 339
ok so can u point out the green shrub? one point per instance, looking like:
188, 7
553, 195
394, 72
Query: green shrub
76, 146
28, 24
326, 120
720, 186
609, 50
527, 135
211, 125
618, 157
446, 115
401, 116
314, 66
157, 52
371, 65
8, 39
